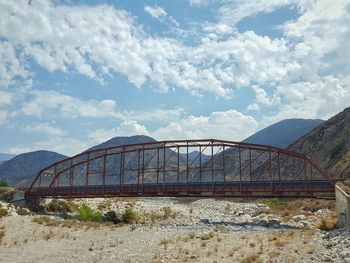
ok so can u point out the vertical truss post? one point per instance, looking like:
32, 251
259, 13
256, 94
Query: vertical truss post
54, 174
143, 168
279, 167
87, 170
164, 164
120, 173
178, 164
200, 164
310, 171
187, 168
270, 164
240, 168
40, 179
104, 168
305, 177
138, 168
71, 173
223, 163
212, 167
250, 164
157, 165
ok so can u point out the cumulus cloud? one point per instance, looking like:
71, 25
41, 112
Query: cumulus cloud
64, 145
46, 128
160, 14
3, 116
126, 128
229, 125
69, 106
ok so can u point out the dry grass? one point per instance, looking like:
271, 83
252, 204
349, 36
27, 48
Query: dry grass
345, 186
69, 223
3, 212
287, 208
328, 222
251, 258
207, 236
2, 234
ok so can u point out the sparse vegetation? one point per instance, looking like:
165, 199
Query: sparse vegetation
3, 212
130, 216
3, 183
85, 213
112, 216
2, 234
328, 222
251, 258
61, 206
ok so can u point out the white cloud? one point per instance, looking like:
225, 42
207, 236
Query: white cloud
160, 14
46, 128
126, 128
64, 145
69, 106
10, 65
3, 116
230, 125
309, 100
233, 11
5, 98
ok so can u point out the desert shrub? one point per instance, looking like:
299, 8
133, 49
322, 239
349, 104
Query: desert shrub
112, 216
3, 212
275, 203
251, 258
23, 212
327, 223
168, 212
2, 234
3, 183
85, 213
130, 216
57, 206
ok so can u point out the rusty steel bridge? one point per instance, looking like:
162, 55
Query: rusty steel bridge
206, 167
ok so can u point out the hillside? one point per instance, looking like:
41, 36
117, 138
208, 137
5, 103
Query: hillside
283, 133
5, 157
329, 145
22, 168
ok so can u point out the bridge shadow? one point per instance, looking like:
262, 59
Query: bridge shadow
250, 225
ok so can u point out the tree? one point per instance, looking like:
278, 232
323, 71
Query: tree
3, 183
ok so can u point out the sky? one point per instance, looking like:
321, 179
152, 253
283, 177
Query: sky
77, 73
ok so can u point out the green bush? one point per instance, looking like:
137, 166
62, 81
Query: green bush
112, 216
85, 213
3, 183
130, 216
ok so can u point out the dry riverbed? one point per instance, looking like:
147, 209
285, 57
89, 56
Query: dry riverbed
178, 230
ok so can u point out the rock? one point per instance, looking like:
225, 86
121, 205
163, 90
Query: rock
274, 221
263, 223
345, 254
327, 258
298, 218
346, 260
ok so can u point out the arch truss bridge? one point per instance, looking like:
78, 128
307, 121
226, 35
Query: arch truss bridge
183, 168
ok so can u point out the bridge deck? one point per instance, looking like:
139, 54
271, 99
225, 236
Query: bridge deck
234, 189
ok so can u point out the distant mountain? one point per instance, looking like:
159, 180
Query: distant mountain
283, 133
329, 145
5, 157
116, 141
21, 169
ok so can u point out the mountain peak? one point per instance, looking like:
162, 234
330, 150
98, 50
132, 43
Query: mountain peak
284, 132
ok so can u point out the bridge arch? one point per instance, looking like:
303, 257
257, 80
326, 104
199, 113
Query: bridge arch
205, 167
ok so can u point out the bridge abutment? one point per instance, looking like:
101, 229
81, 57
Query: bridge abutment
343, 207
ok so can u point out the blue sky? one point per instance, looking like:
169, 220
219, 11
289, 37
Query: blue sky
76, 73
